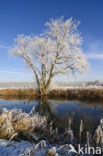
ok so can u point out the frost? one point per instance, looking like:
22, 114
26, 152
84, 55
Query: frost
57, 51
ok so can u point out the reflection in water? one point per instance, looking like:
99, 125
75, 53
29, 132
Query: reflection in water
60, 111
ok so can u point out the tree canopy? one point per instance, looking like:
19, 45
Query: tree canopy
56, 51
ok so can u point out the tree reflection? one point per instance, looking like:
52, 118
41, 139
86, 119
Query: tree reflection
61, 110
44, 108
90, 117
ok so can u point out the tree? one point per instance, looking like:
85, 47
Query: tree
56, 51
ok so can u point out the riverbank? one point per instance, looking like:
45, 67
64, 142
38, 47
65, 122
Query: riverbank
30, 134
23, 134
77, 93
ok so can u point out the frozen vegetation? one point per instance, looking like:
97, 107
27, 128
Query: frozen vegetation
57, 51
17, 85
30, 134
54, 85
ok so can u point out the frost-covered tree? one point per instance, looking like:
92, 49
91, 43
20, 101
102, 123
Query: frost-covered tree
56, 51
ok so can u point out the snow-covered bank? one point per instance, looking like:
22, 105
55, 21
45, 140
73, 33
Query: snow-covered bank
24, 148
34, 136
14, 148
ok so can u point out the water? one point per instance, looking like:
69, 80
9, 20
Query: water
61, 110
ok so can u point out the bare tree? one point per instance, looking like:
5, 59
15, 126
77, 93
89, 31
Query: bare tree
56, 51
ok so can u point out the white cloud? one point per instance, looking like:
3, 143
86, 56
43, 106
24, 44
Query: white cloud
4, 47
11, 72
95, 56
94, 50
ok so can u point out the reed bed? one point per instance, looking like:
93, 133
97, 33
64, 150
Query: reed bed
58, 93
18, 93
78, 93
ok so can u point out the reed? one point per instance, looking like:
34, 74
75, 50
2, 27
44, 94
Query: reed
78, 93
58, 93
18, 93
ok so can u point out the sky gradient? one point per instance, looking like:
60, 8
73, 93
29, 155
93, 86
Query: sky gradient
29, 16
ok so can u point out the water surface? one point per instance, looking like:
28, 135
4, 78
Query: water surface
61, 110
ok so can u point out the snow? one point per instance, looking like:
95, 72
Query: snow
14, 148
22, 148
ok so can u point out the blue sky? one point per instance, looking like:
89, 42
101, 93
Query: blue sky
29, 16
